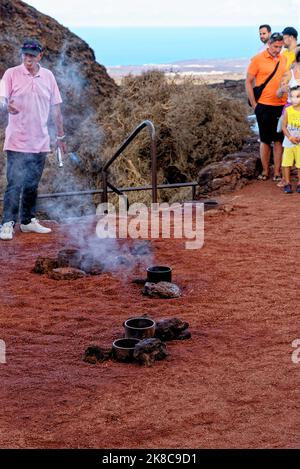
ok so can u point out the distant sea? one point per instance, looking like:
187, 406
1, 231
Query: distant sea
165, 45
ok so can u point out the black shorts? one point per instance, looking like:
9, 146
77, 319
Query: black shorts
267, 120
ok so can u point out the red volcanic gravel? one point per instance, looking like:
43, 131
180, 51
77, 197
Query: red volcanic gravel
233, 384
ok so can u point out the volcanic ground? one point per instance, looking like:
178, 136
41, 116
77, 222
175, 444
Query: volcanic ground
233, 384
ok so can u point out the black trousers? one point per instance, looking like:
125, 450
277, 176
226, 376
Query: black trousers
23, 173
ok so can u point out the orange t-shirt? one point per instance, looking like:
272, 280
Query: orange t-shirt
261, 66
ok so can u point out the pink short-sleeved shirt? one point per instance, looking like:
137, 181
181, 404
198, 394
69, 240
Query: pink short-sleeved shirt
27, 131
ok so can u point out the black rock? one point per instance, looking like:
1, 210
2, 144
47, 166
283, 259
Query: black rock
139, 281
43, 265
161, 290
94, 354
171, 329
185, 335
147, 351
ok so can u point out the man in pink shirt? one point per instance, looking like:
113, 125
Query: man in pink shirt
28, 92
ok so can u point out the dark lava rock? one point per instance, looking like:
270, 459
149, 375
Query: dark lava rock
69, 258
43, 265
84, 261
185, 335
161, 290
66, 273
139, 281
147, 351
172, 329
94, 270
90, 265
94, 354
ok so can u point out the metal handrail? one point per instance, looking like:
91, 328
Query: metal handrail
175, 185
106, 184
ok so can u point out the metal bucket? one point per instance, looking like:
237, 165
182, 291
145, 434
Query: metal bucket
159, 273
123, 349
139, 328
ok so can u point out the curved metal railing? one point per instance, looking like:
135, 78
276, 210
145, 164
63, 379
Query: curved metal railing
106, 184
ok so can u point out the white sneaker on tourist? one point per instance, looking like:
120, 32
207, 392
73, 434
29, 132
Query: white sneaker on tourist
7, 230
34, 227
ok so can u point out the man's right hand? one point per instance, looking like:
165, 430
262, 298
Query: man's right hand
11, 108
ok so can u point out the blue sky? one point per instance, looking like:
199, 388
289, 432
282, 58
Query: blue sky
170, 12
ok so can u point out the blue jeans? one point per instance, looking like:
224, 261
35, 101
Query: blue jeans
23, 173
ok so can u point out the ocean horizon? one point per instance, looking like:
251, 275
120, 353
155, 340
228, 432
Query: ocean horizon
117, 47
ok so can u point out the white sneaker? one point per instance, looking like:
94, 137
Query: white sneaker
7, 230
34, 227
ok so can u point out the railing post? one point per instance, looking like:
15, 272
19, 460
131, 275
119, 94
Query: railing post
153, 162
129, 139
194, 192
104, 195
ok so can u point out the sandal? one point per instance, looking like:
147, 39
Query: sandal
277, 178
281, 183
263, 177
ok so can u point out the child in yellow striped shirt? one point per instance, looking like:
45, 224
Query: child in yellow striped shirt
291, 142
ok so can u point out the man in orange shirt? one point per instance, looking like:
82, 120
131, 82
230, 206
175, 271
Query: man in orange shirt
269, 107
